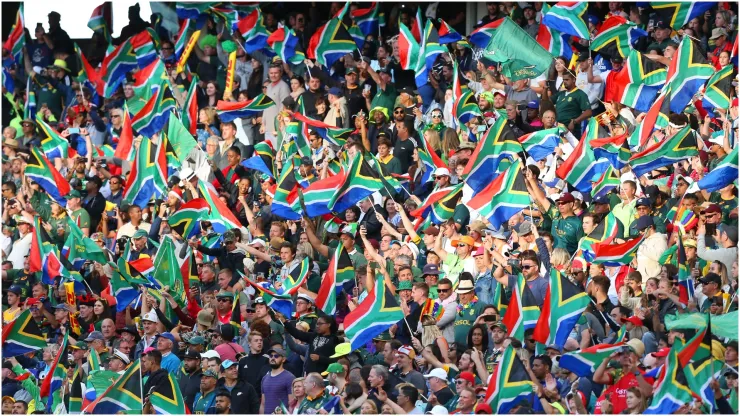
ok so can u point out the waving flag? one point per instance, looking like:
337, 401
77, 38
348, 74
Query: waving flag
582, 164
606, 182
678, 14
180, 138
43, 172
186, 219
115, 66
673, 390
53, 145
361, 181
253, 30
51, 387
334, 135
23, 336
78, 247
616, 254
340, 271
167, 399
192, 10
522, 312
540, 144
375, 314
44, 256
465, 105
687, 73
228, 111
368, 20
89, 75
671, 150
125, 149
189, 116
616, 37
430, 50
297, 276
155, 113
584, 363
330, 42
221, 216
263, 159
182, 37
286, 203
101, 20
615, 149
482, 36
285, 44
655, 118
725, 173
9, 84
148, 175
510, 383
564, 304
409, 50
506, 46
124, 292
568, 17
504, 197
553, 40
718, 90
122, 396
29, 108
638, 84
447, 34
143, 46
17, 39
319, 194
609, 228
440, 204
495, 152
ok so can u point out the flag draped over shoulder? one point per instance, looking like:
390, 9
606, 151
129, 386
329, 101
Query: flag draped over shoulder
504, 197
22, 336
43, 172
375, 314
509, 383
564, 304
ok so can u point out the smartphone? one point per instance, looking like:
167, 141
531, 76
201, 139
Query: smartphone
367, 87
481, 128
111, 214
490, 318
73, 130
711, 229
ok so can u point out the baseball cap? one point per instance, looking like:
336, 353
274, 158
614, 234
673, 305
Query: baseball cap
121, 356
711, 278
351, 70
150, 316
438, 410
431, 269
524, 228
663, 352
278, 350
167, 335
718, 32
566, 197
533, 104
662, 25
333, 368
712, 209
441, 172
15, 289
210, 354
601, 199
467, 376
198, 340
95, 335
259, 301
258, 242
730, 230
227, 364
192, 354
644, 222
437, 372
210, 373
74, 193
431, 230
643, 202
335, 91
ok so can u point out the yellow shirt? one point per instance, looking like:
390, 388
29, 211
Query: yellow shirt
625, 213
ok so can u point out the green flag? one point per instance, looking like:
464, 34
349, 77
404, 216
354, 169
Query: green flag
180, 138
520, 53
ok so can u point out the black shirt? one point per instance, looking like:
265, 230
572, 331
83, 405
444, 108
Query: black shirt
443, 396
403, 150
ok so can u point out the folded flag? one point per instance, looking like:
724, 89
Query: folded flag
228, 111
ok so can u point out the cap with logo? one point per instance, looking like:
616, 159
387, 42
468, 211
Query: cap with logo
333, 368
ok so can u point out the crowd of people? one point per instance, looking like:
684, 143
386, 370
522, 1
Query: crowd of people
226, 343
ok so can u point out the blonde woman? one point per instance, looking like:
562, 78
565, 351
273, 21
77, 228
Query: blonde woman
431, 334
206, 125
560, 260
297, 396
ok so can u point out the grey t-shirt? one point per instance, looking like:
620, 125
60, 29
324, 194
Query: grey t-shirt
414, 377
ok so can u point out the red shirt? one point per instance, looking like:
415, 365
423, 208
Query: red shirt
715, 53
618, 392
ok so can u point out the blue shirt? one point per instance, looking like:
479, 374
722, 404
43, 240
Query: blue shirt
171, 363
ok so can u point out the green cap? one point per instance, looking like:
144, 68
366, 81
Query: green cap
225, 294
197, 340
334, 368
350, 229
405, 285
210, 373
139, 234
73, 194
384, 336
80, 345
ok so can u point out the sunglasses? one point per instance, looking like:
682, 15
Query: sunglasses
275, 355
530, 340
398, 112
527, 267
115, 116
563, 203
167, 49
481, 396
462, 245
442, 290
436, 115
224, 300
